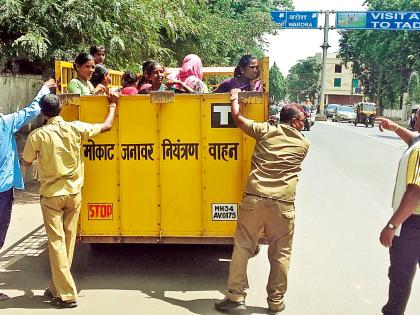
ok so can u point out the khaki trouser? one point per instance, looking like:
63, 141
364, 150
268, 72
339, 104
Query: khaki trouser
277, 218
61, 214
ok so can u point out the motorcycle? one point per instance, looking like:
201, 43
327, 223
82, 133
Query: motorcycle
307, 123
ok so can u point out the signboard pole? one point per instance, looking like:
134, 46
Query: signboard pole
308, 20
324, 47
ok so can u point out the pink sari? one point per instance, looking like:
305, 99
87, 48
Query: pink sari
191, 73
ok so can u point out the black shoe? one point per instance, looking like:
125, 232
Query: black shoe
230, 306
276, 312
59, 303
48, 294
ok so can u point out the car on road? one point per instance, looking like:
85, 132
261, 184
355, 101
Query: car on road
344, 113
329, 110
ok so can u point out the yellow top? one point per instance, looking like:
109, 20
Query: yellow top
413, 168
57, 148
276, 161
413, 171
408, 174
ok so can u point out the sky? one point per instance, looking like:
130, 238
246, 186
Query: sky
291, 45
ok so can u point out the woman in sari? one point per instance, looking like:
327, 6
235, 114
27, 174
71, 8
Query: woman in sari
189, 77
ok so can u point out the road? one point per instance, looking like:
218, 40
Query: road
338, 266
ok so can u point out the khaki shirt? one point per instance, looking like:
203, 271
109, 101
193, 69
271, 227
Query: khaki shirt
413, 172
276, 161
56, 145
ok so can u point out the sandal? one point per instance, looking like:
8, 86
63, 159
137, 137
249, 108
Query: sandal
59, 303
48, 294
4, 297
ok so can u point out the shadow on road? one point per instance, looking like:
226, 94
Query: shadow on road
27, 196
26, 301
204, 306
388, 137
150, 269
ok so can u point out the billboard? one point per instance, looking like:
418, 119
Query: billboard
378, 20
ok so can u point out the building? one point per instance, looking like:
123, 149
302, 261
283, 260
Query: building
340, 86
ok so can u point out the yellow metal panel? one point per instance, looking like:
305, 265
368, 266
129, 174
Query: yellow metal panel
222, 166
226, 163
116, 78
180, 166
159, 186
70, 106
265, 70
172, 164
64, 72
58, 75
139, 160
102, 186
208, 71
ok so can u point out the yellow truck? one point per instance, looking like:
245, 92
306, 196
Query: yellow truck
171, 170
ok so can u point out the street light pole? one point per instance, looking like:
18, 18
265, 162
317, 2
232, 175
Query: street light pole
324, 47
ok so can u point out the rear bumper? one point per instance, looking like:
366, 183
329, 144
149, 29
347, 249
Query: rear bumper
157, 240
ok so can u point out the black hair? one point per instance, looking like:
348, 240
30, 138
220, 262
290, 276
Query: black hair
129, 78
95, 49
243, 62
290, 111
50, 105
81, 59
149, 65
99, 75
147, 68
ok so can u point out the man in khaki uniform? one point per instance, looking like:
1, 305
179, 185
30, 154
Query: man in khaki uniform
268, 203
402, 232
56, 146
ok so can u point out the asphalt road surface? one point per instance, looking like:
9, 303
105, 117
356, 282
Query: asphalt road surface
338, 265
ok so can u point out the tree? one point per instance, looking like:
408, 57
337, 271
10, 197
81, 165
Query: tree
278, 87
303, 79
384, 60
229, 29
44, 30
133, 31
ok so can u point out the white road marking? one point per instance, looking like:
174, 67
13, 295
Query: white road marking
396, 143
